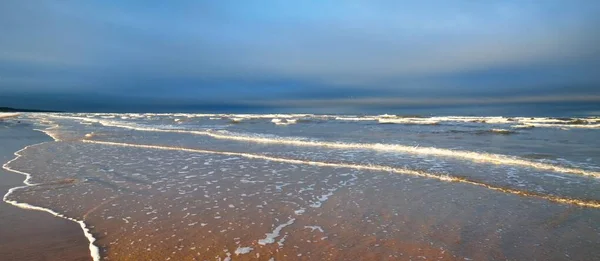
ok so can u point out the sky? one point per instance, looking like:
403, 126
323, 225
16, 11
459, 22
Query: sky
300, 55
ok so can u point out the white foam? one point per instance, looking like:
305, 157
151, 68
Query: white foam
418, 173
487, 120
283, 121
268, 116
313, 228
270, 237
5, 115
421, 121
522, 126
537, 122
550, 122
321, 199
526, 121
48, 131
243, 250
281, 241
349, 118
562, 126
466, 155
502, 131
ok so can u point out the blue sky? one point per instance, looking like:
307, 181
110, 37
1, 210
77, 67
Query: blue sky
121, 55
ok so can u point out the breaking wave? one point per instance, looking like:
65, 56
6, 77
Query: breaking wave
408, 121
404, 171
459, 154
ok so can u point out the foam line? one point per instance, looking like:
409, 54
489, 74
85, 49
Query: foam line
408, 121
460, 154
50, 134
270, 237
94, 250
4, 115
418, 173
580, 126
591, 123
468, 155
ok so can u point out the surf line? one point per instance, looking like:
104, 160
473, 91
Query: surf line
460, 154
94, 250
403, 171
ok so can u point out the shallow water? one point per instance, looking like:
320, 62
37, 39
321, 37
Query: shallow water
26, 234
319, 187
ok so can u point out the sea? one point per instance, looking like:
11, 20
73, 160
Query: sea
184, 186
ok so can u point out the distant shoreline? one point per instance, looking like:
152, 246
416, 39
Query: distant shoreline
9, 109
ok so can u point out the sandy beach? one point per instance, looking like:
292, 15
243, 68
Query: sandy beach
27, 234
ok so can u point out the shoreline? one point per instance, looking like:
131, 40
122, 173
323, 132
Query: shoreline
94, 252
180, 197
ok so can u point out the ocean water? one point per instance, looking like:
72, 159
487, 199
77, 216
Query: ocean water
320, 187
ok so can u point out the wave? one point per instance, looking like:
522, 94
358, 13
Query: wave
416, 118
516, 122
525, 122
235, 120
351, 118
94, 250
283, 121
466, 119
569, 126
387, 116
418, 121
4, 115
48, 130
267, 116
503, 131
432, 151
404, 171
591, 123
523, 126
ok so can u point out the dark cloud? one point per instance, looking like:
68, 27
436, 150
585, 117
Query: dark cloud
236, 52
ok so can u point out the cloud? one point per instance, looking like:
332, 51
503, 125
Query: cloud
407, 102
388, 47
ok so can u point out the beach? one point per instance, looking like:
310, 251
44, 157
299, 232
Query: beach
249, 187
300, 130
27, 234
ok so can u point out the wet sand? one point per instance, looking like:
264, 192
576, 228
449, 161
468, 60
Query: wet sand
175, 205
28, 234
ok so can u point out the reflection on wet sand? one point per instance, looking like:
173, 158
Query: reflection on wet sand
149, 204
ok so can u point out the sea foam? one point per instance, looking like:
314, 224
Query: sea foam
460, 154
418, 173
